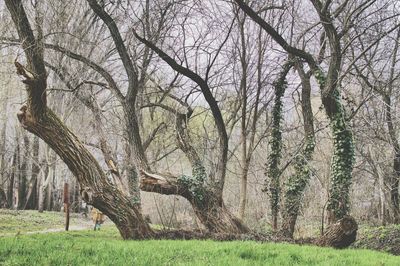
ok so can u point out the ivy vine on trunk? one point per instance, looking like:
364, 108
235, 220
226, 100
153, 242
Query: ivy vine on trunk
275, 155
343, 154
296, 184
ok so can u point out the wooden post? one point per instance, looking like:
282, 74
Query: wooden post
66, 206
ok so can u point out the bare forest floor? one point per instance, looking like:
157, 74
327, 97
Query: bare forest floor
15, 223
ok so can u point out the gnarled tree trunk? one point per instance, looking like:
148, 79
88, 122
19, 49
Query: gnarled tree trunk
37, 118
205, 198
208, 207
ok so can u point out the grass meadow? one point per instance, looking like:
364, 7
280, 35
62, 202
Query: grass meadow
105, 247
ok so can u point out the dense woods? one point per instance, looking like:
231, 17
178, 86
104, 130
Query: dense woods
226, 116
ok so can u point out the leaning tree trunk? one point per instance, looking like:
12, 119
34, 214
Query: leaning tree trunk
297, 183
340, 234
208, 207
206, 199
37, 118
96, 188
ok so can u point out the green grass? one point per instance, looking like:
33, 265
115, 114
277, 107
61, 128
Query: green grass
13, 222
105, 247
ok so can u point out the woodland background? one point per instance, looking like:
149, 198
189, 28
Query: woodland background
240, 64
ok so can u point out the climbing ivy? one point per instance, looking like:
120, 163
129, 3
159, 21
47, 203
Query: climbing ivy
342, 166
195, 183
275, 143
343, 155
297, 183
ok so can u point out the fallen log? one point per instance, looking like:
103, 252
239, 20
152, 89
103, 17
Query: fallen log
339, 235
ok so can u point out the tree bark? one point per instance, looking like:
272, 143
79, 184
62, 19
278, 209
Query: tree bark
3, 138
43, 185
3, 199
32, 198
243, 127
37, 118
340, 234
297, 183
23, 173
394, 179
95, 187
342, 160
273, 171
207, 202
49, 196
210, 210
11, 179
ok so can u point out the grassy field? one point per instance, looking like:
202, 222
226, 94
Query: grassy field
105, 247
13, 222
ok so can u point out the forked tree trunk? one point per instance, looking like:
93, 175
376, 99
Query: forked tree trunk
194, 188
208, 207
35, 117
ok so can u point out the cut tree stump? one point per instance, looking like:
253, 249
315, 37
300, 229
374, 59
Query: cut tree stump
341, 234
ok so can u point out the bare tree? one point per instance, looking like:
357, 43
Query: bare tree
343, 152
37, 118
